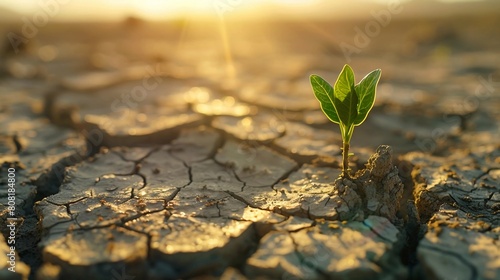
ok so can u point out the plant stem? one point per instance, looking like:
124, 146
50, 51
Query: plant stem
345, 160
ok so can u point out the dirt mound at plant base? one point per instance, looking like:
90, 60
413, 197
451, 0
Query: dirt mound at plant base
378, 185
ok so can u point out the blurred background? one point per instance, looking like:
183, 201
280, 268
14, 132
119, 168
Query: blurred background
112, 10
440, 61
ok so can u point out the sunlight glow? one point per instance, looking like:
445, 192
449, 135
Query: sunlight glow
150, 9
296, 2
68, 10
230, 71
160, 8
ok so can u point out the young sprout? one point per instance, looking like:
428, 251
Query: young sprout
346, 104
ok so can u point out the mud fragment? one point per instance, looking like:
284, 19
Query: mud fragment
458, 253
210, 175
264, 127
52, 214
206, 203
305, 143
164, 174
194, 145
135, 128
355, 250
81, 178
311, 190
276, 258
468, 180
255, 165
192, 246
40, 147
96, 253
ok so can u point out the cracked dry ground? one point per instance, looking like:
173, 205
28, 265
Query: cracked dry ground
202, 179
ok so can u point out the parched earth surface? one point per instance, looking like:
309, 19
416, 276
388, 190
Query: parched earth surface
146, 151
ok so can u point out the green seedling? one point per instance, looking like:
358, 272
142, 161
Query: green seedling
346, 104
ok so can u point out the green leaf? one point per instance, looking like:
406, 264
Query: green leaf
365, 90
345, 99
324, 93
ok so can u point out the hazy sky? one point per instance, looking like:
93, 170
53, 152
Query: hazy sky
156, 9
165, 9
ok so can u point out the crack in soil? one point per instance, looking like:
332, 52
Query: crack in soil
46, 184
303, 259
50, 182
487, 172
457, 256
